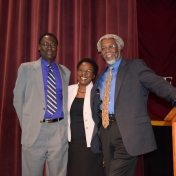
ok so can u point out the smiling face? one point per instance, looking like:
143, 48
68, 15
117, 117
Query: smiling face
48, 48
85, 74
109, 50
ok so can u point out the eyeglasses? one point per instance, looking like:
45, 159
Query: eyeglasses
87, 72
110, 47
46, 45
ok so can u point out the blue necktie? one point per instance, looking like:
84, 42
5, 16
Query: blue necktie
51, 92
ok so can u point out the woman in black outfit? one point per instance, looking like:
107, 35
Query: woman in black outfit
81, 160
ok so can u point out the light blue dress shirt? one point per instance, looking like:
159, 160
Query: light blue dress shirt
102, 82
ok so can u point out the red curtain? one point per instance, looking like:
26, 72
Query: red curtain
79, 24
157, 46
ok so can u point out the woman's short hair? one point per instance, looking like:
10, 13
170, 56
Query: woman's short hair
92, 62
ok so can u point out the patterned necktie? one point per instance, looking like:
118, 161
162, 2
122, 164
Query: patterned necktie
51, 92
105, 117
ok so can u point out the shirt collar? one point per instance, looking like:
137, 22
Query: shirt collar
45, 64
116, 64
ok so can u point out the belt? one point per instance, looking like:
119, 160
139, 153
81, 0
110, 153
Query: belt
112, 117
52, 120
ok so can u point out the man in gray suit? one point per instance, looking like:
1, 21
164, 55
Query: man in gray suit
40, 101
128, 132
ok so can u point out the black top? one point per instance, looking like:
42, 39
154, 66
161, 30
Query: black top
76, 116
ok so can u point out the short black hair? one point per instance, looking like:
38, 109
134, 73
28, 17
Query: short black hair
92, 62
47, 33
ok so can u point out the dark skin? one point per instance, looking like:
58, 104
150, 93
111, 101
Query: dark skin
84, 79
48, 53
113, 53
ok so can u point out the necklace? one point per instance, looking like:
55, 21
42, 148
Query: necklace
81, 91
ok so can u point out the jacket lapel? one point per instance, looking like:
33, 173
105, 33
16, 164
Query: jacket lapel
119, 78
64, 87
37, 74
72, 95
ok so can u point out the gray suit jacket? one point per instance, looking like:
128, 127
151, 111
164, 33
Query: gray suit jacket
133, 83
29, 99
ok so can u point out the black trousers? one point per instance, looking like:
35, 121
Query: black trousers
117, 161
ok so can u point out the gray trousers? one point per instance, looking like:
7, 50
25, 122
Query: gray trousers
51, 146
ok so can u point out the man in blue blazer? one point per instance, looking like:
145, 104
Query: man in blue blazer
128, 132
44, 131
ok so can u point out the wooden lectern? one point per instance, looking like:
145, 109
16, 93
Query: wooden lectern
172, 117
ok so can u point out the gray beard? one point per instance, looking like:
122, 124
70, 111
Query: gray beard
111, 62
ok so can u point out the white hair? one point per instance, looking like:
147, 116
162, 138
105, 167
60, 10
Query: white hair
117, 39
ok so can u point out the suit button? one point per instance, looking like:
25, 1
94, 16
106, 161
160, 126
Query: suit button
40, 121
43, 108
